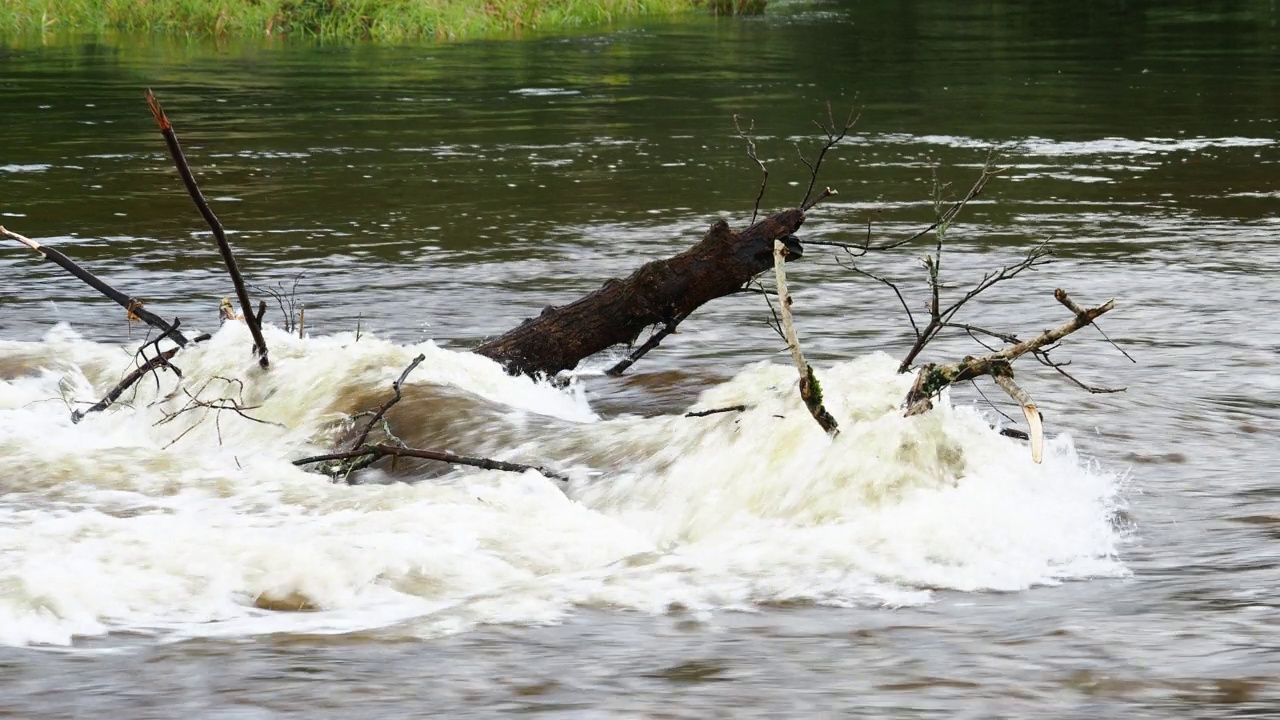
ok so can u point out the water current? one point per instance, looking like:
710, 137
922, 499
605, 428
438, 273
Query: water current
156, 563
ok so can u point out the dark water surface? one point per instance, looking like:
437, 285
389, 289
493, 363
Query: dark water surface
449, 191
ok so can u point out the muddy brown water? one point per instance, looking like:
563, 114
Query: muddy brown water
449, 191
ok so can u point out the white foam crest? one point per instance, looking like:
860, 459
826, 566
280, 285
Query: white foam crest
1048, 147
935, 501
103, 529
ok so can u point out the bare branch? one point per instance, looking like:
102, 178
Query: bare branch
654, 340
395, 386
1043, 357
941, 318
132, 305
751, 153
160, 361
716, 411
193, 189
810, 389
932, 379
834, 136
910, 316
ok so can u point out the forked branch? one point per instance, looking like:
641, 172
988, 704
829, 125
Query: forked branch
834, 135
933, 379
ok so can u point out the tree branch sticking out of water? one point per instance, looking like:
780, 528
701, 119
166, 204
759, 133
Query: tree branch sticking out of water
150, 365
219, 234
810, 388
835, 134
291, 309
132, 305
942, 220
941, 317
933, 379
751, 153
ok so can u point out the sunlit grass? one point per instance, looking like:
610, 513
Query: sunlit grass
382, 20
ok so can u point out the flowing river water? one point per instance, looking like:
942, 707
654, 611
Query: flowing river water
737, 565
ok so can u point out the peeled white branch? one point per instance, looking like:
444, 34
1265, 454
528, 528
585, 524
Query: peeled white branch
810, 389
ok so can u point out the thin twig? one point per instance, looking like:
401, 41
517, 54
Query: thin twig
382, 450
654, 340
751, 153
1043, 357
834, 136
396, 386
716, 411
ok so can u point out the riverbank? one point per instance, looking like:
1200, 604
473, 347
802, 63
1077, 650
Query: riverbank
380, 20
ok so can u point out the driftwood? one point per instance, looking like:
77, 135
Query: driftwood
660, 294
657, 294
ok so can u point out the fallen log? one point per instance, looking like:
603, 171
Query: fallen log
659, 293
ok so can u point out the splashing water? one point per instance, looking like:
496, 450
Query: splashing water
147, 520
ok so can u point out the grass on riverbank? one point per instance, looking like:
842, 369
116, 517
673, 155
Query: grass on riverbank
384, 20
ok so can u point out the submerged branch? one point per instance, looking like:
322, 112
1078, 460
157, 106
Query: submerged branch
373, 453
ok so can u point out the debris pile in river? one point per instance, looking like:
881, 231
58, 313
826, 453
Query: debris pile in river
660, 295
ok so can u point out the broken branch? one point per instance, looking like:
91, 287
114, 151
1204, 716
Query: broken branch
193, 189
932, 379
810, 389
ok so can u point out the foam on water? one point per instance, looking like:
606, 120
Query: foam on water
114, 525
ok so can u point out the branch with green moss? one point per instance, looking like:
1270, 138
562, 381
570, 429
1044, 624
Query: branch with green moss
933, 379
810, 388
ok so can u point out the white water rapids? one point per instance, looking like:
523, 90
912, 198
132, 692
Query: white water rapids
112, 526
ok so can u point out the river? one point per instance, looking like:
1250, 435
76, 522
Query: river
741, 565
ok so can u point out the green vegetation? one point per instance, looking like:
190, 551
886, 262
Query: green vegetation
384, 20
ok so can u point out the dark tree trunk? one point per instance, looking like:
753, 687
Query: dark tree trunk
660, 291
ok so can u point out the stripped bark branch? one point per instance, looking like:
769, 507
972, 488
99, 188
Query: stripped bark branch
810, 388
